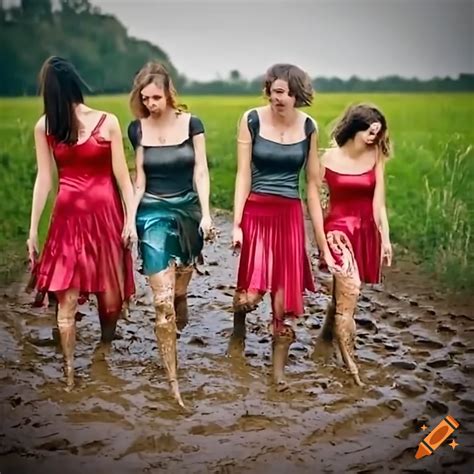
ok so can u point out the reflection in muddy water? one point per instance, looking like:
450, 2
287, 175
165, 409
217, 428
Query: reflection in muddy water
415, 356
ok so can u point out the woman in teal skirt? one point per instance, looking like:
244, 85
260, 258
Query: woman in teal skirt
172, 199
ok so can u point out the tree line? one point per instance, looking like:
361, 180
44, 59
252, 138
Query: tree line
99, 45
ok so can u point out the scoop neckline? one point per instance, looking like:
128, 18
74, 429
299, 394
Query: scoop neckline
350, 174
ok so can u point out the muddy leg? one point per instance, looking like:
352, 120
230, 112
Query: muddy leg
67, 304
163, 285
55, 331
183, 277
110, 309
283, 337
325, 346
281, 343
346, 301
243, 303
347, 289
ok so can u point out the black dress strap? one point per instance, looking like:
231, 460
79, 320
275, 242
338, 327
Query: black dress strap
253, 122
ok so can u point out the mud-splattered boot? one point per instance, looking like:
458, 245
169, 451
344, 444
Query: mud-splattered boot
282, 340
166, 337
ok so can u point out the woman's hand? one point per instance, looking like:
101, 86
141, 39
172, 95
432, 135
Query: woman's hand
129, 234
387, 253
329, 259
209, 232
237, 238
32, 246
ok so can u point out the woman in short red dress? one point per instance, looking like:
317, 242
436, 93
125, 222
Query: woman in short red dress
85, 250
356, 223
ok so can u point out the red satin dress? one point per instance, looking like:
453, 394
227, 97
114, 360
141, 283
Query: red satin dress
84, 249
350, 211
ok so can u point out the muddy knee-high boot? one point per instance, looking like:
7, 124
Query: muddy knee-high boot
243, 303
347, 293
181, 310
165, 330
324, 346
237, 338
325, 343
183, 278
327, 331
67, 333
281, 342
166, 337
108, 325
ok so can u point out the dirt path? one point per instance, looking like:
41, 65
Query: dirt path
415, 352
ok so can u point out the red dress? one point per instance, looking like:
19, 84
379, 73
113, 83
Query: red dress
83, 249
351, 212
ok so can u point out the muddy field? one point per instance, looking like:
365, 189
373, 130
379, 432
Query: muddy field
415, 349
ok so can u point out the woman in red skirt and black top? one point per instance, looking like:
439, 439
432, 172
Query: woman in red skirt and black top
274, 143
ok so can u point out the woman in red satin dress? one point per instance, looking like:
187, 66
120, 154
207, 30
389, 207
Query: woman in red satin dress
85, 250
355, 223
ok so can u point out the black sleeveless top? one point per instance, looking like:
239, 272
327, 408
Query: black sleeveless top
169, 169
276, 166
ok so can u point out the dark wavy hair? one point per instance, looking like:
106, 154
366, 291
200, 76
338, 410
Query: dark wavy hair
358, 118
61, 87
298, 81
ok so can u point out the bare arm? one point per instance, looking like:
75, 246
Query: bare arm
201, 174
120, 169
140, 178
314, 178
44, 177
380, 211
243, 179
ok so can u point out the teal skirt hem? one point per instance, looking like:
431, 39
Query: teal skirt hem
168, 231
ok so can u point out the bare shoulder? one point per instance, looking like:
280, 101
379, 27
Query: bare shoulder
306, 116
184, 118
40, 125
258, 110
329, 156
111, 122
110, 119
244, 118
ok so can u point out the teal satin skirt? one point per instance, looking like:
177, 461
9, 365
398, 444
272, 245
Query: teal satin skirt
168, 231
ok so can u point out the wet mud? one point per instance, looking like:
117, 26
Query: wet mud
415, 352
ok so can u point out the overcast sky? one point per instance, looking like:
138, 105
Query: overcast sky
368, 38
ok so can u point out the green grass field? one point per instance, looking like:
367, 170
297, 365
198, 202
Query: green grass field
429, 179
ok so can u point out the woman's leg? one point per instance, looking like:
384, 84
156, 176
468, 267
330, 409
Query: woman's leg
163, 287
325, 343
66, 314
183, 278
283, 337
244, 302
346, 293
110, 308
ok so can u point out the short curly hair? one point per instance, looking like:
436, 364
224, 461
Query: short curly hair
298, 81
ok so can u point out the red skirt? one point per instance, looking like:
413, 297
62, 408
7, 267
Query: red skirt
273, 255
84, 251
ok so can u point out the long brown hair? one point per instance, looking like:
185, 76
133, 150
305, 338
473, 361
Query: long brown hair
156, 73
358, 118
61, 87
